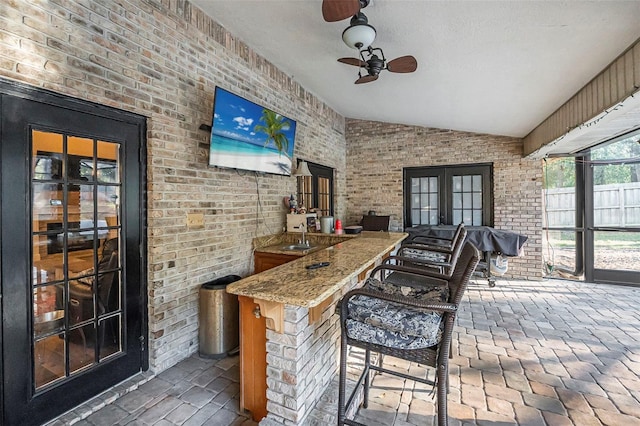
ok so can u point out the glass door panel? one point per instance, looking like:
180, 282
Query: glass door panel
615, 211
425, 209
76, 267
563, 236
467, 200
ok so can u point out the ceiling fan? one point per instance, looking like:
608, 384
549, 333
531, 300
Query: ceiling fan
374, 64
337, 10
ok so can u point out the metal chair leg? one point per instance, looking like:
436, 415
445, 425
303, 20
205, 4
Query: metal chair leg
367, 379
342, 381
443, 389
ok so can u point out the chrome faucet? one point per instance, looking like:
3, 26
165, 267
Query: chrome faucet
303, 227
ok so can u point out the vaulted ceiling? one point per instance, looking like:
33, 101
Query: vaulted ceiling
497, 67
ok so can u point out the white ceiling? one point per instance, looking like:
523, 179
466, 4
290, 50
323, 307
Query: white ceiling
497, 67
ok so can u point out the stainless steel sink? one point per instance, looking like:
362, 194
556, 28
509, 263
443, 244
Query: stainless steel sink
297, 247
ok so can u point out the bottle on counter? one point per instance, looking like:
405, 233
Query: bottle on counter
338, 227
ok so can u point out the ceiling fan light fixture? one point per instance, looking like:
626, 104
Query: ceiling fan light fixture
359, 35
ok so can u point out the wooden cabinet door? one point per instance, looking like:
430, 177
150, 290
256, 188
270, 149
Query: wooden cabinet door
264, 261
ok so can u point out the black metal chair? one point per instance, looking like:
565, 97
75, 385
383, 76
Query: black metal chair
413, 323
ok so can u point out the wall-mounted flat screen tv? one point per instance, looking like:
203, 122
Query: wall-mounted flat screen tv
248, 136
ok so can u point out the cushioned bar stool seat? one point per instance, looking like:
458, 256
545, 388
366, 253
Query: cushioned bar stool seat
413, 322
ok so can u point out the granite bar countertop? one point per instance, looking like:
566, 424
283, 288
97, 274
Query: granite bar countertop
293, 284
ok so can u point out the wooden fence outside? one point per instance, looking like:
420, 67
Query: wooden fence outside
614, 205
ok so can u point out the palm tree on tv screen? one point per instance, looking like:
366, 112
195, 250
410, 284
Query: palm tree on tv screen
273, 126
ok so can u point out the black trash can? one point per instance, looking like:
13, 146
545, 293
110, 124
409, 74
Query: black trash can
219, 318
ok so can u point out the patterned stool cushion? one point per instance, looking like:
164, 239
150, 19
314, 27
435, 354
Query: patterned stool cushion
432, 256
394, 324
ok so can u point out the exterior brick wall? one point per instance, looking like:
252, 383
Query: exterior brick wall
377, 153
163, 59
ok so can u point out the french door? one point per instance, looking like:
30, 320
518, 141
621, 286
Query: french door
73, 304
448, 195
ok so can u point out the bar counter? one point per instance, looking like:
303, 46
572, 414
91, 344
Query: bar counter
293, 284
289, 331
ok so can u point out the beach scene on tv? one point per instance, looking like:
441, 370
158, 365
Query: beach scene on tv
248, 136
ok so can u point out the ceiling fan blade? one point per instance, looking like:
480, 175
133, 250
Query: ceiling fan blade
403, 64
337, 10
353, 61
366, 79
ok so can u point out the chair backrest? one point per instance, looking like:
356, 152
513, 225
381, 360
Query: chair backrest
375, 223
458, 243
108, 281
438, 240
465, 266
108, 247
452, 255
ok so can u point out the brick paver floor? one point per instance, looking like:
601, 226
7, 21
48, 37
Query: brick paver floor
529, 353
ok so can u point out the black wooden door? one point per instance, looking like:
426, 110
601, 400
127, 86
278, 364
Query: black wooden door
72, 252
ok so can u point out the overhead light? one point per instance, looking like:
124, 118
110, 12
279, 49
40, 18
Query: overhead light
302, 170
360, 34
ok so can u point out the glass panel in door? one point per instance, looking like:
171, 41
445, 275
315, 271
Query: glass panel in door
562, 238
616, 210
425, 208
467, 198
75, 266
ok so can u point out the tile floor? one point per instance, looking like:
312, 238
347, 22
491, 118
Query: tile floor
530, 353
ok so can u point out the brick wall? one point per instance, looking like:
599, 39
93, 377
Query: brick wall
163, 60
302, 362
377, 153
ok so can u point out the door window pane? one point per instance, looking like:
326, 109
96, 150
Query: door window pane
457, 184
415, 201
616, 196
107, 169
616, 250
109, 331
559, 252
82, 348
559, 193
457, 216
457, 200
49, 355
